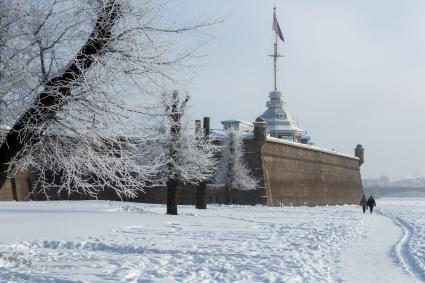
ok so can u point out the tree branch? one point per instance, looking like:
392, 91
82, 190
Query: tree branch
57, 89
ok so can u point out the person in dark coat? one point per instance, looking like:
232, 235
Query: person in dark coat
371, 203
363, 203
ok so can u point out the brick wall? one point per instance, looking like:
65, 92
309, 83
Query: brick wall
301, 175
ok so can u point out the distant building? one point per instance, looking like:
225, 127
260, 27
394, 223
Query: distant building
382, 181
237, 125
409, 183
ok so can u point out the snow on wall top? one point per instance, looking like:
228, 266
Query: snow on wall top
310, 147
219, 136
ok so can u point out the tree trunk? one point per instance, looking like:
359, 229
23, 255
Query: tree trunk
201, 202
14, 192
227, 195
57, 89
172, 197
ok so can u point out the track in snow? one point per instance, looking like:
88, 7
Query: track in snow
370, 258
401, 250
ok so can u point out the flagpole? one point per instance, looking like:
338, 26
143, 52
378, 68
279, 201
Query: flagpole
275, 52
275, 55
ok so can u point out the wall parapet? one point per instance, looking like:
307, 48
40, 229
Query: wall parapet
310, 147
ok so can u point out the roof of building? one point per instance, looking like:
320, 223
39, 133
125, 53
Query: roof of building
237, 121
278, 116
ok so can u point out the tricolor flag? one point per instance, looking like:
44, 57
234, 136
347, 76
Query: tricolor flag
276, 28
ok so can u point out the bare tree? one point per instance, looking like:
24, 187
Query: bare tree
189, 156
233, 172
77, 75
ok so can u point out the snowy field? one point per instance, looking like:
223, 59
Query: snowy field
99, 241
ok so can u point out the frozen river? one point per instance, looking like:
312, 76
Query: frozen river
99, 241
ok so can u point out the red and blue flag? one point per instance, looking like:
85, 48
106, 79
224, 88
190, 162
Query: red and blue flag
276, 28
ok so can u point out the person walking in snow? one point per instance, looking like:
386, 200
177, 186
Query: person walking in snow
363, 203
371, 203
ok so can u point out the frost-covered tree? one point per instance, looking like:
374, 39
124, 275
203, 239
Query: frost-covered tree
7, 18
233, 172
201, 188
189, 156
74, 79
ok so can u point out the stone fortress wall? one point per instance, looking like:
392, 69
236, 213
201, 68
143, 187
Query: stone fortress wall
300, 176
291, 173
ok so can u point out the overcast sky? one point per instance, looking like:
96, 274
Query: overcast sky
353, 72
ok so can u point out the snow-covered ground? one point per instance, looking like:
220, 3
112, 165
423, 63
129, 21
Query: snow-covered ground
99, 241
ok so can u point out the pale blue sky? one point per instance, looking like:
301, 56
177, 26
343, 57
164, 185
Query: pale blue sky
353, 72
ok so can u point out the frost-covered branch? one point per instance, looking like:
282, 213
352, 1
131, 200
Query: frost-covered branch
76, 76
189, 155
